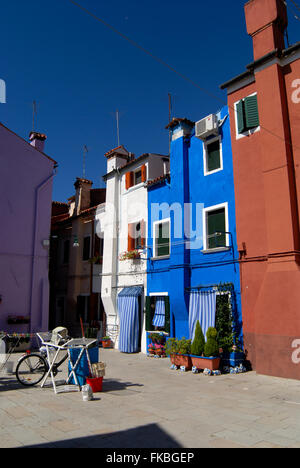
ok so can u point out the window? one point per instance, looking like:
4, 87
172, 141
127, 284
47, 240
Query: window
66, 251
98, 249
215, 227
162, 238
136, 177
213, 160
247, 118
136, 236
83, 307
151, 307
86, 248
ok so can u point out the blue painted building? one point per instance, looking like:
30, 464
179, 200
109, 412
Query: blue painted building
192, 247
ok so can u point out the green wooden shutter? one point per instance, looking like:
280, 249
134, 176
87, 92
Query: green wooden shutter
213, 156
251, 112
216, 223
241, 124
148, 311
167, 315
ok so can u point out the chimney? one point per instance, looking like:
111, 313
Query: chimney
166, 164
83, 195
37, 140
116, 158
266, 23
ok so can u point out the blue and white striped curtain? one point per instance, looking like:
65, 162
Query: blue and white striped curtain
202, 308
128, 309
160, 313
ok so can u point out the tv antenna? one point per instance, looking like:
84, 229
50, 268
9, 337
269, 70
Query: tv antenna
34, 113
85, 151
118, 128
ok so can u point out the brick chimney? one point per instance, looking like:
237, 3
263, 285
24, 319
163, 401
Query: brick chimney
83, 195
266, 23
37, 140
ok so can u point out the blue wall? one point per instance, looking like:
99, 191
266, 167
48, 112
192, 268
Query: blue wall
189, 268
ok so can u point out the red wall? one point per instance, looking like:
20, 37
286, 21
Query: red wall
267, 186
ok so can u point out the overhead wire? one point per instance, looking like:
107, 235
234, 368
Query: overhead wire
171, 68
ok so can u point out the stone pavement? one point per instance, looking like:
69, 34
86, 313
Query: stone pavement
146, 404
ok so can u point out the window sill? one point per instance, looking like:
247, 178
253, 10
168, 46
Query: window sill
216, 250
247, 133
158, 332
214, 171
135, 187
163, 257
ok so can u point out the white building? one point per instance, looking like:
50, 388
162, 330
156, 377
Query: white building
124, 224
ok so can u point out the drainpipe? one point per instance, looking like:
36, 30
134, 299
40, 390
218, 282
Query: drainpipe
37, 193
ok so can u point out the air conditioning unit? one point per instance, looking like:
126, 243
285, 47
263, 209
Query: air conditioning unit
206, 127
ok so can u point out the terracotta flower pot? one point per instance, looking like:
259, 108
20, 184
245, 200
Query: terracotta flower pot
201, 362
106, 344
182, 360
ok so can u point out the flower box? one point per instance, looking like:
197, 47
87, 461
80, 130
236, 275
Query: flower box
17, 320
130, 255
106, 343
201, 362
181, 360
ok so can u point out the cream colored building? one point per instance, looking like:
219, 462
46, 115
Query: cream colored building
76, 260
124, 223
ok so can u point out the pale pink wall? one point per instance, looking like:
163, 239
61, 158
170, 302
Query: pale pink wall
26, 178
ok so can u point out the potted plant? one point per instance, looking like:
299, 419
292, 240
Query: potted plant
130, 255
205, 355
171, 349
151, 348
233, 355
182, 357
106, 342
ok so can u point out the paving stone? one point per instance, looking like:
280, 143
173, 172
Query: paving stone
145, 403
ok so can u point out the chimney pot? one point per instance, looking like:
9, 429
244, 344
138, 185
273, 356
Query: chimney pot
37, 140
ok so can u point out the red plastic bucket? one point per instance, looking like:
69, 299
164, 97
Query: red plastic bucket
95, 384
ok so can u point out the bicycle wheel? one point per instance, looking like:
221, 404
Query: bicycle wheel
31, 370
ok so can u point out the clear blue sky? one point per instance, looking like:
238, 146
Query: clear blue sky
80, 73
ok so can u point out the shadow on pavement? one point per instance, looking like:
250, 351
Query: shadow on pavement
111, 385
149, 436
9, 383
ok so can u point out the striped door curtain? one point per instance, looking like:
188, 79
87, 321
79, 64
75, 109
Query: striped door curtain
128, 310
159, 318
203, 308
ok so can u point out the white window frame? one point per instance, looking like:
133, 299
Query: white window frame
205, 154
247, 132
159, 294
204, 219
155, 224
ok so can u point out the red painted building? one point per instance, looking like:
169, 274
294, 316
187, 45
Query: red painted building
264, 104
